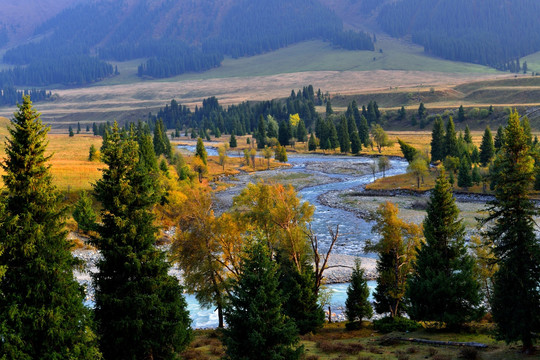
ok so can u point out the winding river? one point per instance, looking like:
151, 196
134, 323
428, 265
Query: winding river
355, 231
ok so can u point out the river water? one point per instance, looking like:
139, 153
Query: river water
354, 231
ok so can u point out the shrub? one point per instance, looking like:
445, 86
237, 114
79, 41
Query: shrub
389, 324
469, 354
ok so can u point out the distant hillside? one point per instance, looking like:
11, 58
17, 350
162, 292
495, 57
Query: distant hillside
175, 36
494, 33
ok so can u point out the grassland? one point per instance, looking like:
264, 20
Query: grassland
333, 342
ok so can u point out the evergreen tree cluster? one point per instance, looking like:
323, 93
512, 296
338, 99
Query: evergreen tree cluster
66, 70
11, 96
243, 118
477, 32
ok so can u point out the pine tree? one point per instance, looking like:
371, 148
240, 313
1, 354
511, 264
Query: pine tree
487, 149
84, 214
443, 287
71, 134
78, 127
140, 310
232, 141
261, 133
257, 327
461, 114
464, 179
422, 112
499, 138
468, 137
312, 143
92, 153
357, 305
516, 299
301, 132
437, 140
363, 131
450, 140
334, 139
300, 301
284, 133
329, 110
200, 151
356, 144
344, 140
42, 315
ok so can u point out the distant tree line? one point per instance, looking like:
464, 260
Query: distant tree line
76, 70
479, 32
11, 96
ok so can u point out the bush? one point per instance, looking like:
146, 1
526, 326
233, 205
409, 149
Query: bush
389, 324
469, 354
353, 325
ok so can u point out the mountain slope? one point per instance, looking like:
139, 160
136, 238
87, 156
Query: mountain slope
177, 36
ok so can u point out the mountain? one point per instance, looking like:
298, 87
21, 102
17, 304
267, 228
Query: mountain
495, 33
174, 36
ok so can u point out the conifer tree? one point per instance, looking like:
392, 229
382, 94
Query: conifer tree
257, 327
140, 310
284, 133
301, 132
344, 140
487, 149
232, 141
363, 131
356, 144
92, 153
443, 287
499, 138
312, 143
78, 127
300, 301
84, 214
357, 305
329, 110
200, 151
437, 140
71, 134
422, 112
450, 140
516, 298
261, 133
461, 114
334, 139
464, 179
42, 315
468, 137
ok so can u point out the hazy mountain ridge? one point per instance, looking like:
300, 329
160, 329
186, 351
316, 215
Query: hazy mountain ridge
176, 36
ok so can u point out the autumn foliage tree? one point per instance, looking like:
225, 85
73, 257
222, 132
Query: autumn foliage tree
397, 250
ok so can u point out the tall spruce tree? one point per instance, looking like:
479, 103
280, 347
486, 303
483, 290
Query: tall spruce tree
261, 133
516, 299
363, 131
443, 286
257, 327
467, 137
487, 148
450, 140
344, 140
301, 132
499, 138
357, 305
42, 315
437, 140
464, 176
312, 143
300, 301
140, 310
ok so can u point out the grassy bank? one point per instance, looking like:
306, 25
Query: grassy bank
334, 342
